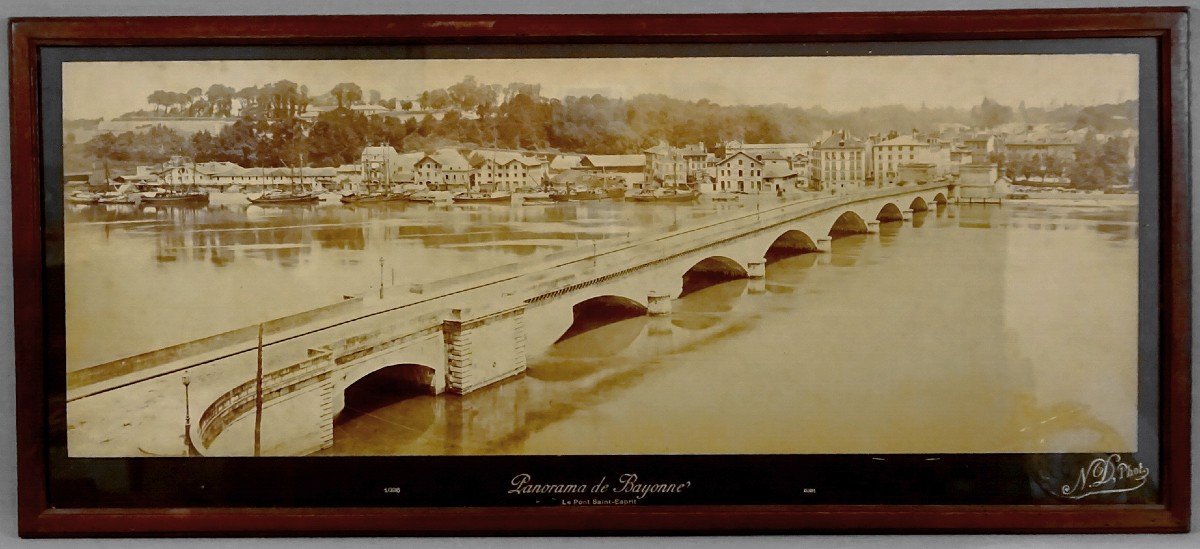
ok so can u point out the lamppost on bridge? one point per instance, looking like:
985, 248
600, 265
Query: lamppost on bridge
187, 418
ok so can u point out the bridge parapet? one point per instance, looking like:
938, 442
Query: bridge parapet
297, 412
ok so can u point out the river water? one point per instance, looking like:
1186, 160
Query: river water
970, 329
161, 276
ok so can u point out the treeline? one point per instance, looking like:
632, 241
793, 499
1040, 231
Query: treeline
517, 115
1100, 164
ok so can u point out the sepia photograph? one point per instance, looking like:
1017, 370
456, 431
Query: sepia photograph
854, 254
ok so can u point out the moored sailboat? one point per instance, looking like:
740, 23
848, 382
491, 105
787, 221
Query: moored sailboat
665, 195
284, 197
477, 197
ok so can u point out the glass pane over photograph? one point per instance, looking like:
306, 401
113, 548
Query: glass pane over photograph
931, 254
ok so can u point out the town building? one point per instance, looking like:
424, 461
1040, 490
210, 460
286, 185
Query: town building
563, 162
889, 155
382, 167
839, 163
506, 171
738, 172
780, 178
230, 177
669, 166
980, 147
631, 168
1059, 147
444, 169
349, 177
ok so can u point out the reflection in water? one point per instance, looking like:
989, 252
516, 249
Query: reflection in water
703, 308
786, 275
847, 250
944, 343
888, 231
586, 353
919, 217
976, 216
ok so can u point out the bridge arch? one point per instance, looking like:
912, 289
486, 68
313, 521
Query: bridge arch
918, 205
366, 390
601, 310
712, 270
848, 223
790, 243
889, 212
940, 198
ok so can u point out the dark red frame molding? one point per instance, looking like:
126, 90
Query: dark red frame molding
1167, 26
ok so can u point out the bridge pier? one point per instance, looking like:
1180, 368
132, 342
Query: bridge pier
873, 227
756, 268
483, 346
825, 244
907, 214
658, 304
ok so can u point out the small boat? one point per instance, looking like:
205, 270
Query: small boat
615, 192
83, 197
576, 194
665, 195
493, 197
536, 198
368, 198
428, 197
723, 197
285, 197
118, 198
191, 198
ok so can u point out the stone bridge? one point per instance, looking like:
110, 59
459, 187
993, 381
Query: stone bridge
461, 334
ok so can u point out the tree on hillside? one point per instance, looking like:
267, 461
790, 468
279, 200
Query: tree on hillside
347, 93
157, 98
192, 95
435, 99
1100, 164
247, 99
220, 99
469, 95
989, 113
200, 106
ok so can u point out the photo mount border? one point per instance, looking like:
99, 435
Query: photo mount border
1167, 26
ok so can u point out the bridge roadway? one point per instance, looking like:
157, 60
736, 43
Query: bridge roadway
455, 335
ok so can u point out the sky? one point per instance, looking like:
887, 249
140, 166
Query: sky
834, 83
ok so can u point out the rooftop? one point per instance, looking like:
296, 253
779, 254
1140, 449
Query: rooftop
904, 141
841, 140
615, 160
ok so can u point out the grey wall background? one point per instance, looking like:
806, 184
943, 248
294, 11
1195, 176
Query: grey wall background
47, 8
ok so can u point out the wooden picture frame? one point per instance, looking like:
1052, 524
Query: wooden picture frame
40, 342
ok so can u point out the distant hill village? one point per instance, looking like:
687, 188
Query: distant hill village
837, 162
278, 124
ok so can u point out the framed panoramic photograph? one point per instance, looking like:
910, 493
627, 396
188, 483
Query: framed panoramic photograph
602, 274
